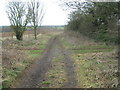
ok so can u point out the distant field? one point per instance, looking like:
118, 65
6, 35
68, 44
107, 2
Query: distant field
6, 31
29, 28
12, 34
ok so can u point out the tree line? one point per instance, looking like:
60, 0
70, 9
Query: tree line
97, 20
21, 14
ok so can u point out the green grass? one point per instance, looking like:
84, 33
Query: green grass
6, 83
11, 75
93, 47
94, 65
17, 67
36, 51
56, 75
90, 70
92, 50
69, 45
87, 48
45, 82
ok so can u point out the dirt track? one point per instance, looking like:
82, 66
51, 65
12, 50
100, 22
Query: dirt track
32, 77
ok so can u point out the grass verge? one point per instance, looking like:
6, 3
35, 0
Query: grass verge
14, 62
96, 70
56, 76
95, 65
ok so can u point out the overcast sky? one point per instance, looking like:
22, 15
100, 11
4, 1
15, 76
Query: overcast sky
54, 15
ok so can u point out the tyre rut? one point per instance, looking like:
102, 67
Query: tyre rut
69, 66
35, 74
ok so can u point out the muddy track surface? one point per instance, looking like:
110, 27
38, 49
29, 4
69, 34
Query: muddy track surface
35, 74
69, 66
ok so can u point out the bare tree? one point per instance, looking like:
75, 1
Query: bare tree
19, 17
37, 14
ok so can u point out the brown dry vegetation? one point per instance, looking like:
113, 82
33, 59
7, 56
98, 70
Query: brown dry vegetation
18, 55
96, 64
11, 34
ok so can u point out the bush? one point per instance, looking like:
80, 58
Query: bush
95, 24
